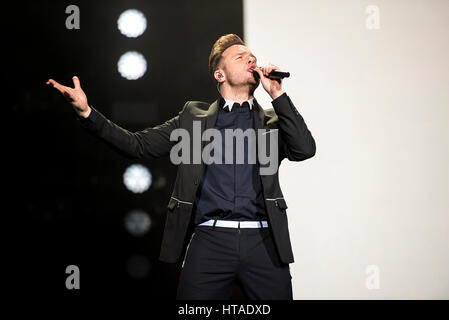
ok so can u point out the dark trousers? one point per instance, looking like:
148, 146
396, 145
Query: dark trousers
218, 256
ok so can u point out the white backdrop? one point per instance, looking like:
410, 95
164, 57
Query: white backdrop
374, 91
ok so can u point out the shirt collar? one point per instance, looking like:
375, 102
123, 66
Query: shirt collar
230, 103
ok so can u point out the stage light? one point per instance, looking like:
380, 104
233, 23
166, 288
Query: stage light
137, 222
132, 65
138, 266
137, 178
132, 23
160, 182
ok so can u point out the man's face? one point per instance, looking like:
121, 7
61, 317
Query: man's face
236, 62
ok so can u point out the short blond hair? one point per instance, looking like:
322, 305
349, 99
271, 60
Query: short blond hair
219, 47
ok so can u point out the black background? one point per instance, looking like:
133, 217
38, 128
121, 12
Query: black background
65, 189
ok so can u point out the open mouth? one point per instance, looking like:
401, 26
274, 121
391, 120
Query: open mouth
252, 69
254, 73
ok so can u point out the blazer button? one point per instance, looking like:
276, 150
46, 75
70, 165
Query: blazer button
195, 182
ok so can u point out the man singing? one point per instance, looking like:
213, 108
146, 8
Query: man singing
226, 220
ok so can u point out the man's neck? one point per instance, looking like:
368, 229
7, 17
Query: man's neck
236, 95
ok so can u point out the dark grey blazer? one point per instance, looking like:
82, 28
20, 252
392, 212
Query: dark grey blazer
295, 142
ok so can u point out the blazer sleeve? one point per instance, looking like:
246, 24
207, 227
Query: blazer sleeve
297, 142
149, 143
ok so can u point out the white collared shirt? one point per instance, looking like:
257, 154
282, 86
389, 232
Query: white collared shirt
230, 103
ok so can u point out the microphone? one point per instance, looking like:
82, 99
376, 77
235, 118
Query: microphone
275, 74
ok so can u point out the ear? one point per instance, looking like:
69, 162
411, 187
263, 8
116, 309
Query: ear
219, 75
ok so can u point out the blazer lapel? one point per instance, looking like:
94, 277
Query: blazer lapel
259, 118
211, 119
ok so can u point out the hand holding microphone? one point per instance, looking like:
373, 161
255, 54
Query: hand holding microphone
271, 78
275, 74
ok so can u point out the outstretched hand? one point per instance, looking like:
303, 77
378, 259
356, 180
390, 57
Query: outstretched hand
75, 96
